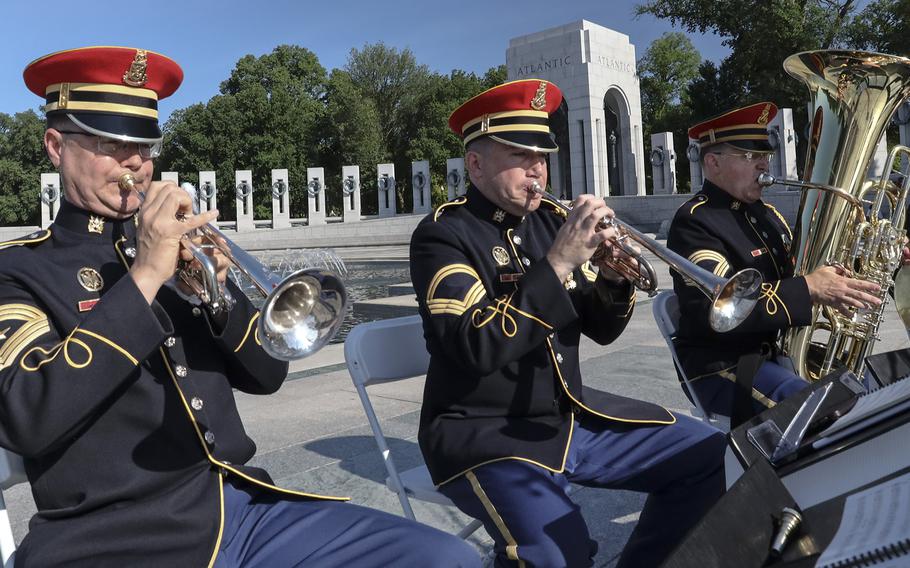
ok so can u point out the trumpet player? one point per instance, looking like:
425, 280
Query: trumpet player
724, 228
117, 391
505, 289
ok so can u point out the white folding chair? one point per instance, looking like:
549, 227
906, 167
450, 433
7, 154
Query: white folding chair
12, 472
665, 308
385, 351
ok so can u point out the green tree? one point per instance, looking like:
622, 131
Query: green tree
665, 70
883, 25
22, 160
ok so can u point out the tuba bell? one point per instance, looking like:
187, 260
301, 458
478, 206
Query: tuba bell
844, 218
300, 313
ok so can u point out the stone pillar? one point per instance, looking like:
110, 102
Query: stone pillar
695, 176
281, 200
350, 190
208, 191
421, 186
782, 137
455, 177
171, 176
663, 163
385, 190
315, 196
243, 189
51, 193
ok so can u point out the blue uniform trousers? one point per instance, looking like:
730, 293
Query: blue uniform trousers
527, 511
262, 529
772, 384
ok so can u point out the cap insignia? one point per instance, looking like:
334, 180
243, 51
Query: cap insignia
539, 102
63, 98
763, 117
501, 256
135, 76
95, 224
485, 123
90, 279
499, 216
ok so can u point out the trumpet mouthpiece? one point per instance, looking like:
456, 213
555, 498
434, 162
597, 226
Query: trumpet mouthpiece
765, 179
127, 182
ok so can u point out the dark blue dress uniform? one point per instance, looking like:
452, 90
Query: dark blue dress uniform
724, 235
506, 421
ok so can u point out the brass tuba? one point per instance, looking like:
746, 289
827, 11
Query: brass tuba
842, 216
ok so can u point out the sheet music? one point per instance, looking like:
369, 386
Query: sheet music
880, 404
874, 528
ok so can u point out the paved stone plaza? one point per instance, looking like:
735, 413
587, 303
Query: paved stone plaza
313, 434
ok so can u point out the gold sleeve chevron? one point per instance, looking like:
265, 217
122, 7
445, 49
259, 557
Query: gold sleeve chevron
454, 306
721, 266
588, 271
32, 324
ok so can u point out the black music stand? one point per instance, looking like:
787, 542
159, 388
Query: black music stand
889, 367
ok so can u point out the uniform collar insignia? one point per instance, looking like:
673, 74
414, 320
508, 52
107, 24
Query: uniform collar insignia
499, 215
735, 205
95, 224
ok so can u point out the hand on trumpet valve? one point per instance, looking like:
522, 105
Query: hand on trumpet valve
581, 235
618, 261
159, 234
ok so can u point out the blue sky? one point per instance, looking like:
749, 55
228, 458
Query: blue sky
207, 37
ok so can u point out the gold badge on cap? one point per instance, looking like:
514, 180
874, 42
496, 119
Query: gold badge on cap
763, 117
539, 102
95, 224
90, 279
135, 76
501, 256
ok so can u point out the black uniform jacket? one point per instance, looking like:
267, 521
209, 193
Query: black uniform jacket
724, 235
503, 334
123, 412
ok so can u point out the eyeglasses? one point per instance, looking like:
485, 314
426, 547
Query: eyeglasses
749, 156
116, 148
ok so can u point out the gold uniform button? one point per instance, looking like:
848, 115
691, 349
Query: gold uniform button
170, 342
209, 437
180, 370
196, 403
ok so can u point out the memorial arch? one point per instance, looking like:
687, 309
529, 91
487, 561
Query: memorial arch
599, 126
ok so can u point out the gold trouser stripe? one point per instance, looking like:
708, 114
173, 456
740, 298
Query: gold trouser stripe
511, 545
756, 394
115, 108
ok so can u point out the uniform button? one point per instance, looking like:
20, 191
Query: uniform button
526, 261
130, 252
180, 370
516, 239
170, 342
196, 403
752, 219
552, 335
764, 234
197, 312
559, 357
774, 250
209, 437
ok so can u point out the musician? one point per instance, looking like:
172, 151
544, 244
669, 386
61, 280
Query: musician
724, 228
505, 291
117, 391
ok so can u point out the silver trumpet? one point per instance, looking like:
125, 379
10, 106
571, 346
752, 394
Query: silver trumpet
732, 299
300, 314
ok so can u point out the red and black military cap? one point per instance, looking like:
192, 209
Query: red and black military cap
106, 91
515, 113
745, 128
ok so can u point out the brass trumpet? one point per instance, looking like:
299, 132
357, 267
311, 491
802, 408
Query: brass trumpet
732, 299
300, 314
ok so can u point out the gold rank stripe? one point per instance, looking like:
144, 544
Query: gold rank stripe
588, 272
447, 271
511, 543
781, 217
36, 325
457, 201
705, 255
112, 108
457, 307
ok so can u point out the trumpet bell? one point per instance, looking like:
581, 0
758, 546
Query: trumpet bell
302, 314
734, 301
